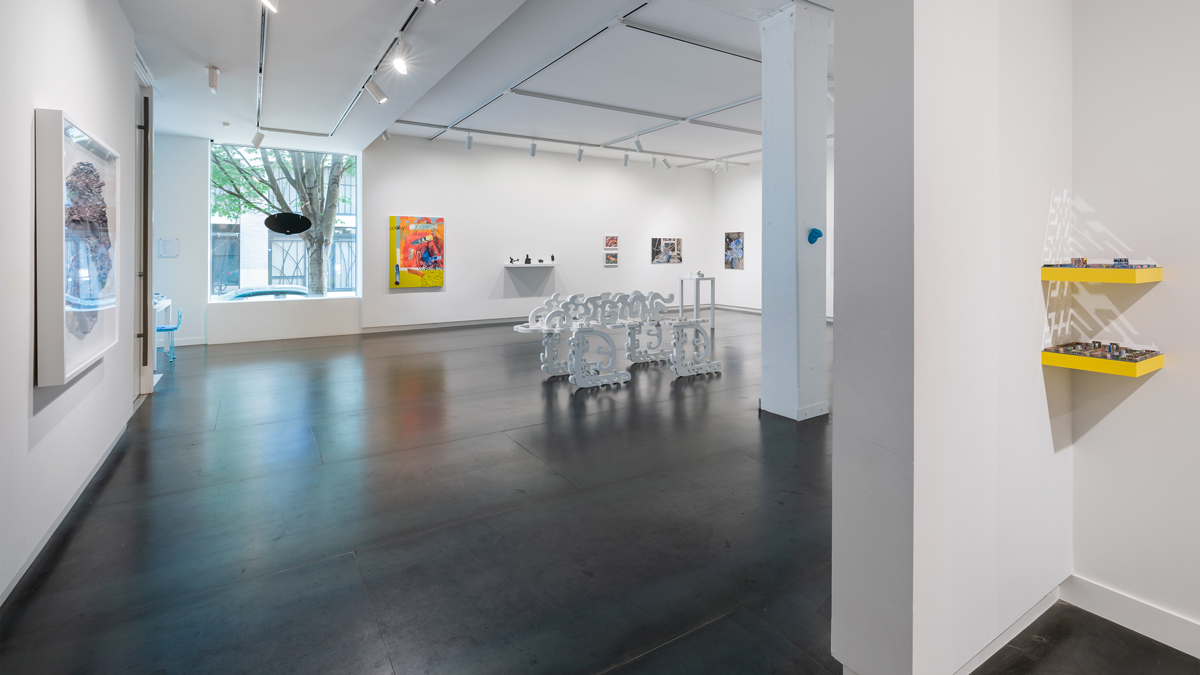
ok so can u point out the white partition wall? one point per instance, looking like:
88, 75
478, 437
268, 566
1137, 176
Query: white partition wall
795, 72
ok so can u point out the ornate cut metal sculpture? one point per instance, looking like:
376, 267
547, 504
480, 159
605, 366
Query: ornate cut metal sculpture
588, 318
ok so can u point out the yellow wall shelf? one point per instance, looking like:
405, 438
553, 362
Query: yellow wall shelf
1109, 275
1089, 363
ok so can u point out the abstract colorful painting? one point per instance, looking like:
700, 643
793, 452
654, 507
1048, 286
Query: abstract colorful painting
666, 250
417, 252
735, 250
610, 259
610, 241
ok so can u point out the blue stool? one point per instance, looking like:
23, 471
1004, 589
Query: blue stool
170, 330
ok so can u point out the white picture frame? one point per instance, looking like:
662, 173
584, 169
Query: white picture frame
77, 196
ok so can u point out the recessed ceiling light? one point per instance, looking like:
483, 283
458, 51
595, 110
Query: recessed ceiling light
224, 124
269, 5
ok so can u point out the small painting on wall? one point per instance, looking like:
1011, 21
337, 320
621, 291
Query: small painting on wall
610, 241
610, 259
735, 250
666, 250
417, 252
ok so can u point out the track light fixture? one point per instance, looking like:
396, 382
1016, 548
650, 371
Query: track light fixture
376, 91
532, 149
400, 55
468, 140
716, 167
258, 138
385, 135
269, 5
579, 154
726, 166
666, 162
653, 162
626, 162
213, 72
637, 143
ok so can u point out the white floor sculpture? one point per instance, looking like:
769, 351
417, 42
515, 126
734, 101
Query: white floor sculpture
588, 318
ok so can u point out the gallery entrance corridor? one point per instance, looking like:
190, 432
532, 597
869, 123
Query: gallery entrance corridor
430, 502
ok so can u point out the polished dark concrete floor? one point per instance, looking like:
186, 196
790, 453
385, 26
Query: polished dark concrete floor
429, 502
1067, 640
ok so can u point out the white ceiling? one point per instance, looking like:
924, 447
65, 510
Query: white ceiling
682, 74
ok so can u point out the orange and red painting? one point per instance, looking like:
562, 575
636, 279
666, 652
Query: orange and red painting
417, 251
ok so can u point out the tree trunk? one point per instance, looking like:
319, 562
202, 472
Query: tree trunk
318, 253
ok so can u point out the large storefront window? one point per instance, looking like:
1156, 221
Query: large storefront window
251, 261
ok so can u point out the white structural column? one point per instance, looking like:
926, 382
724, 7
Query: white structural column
794, 45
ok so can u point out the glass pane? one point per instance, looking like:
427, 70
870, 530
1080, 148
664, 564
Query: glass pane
250, 260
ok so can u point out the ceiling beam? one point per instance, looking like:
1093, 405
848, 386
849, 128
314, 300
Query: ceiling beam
689, 40
590, 104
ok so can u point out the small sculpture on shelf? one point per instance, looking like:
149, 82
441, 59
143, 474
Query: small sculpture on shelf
551, 257
1117, 263
528, 260
540, 261
512, 260
1099, 350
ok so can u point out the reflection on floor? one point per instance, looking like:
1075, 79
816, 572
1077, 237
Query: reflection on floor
429, 502
1066, 640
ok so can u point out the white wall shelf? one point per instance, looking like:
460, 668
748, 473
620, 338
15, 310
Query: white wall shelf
518, 265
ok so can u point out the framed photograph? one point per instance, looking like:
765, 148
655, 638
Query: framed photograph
77, 185
666, 250
735, 250
610, 241
610, 259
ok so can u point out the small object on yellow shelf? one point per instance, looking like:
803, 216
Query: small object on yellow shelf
1107, 275
1110, 366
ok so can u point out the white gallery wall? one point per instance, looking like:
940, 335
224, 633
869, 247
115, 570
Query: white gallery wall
992, 507
500, 202
1025, 484
181, 193
53, 439
737, 207
1137, 442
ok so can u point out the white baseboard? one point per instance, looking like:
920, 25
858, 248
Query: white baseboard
1138, 615
735, 308
1009, 633
37, 550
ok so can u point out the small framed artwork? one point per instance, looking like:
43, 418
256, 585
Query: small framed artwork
610, 241
610, 259
76, 179
666, 250
735, 250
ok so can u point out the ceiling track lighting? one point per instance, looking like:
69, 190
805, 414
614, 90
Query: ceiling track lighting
579, 154
726, 166
653, 162
666, 162
213, 72
400, 58
385, 135
532, 149
376, 91
269, 6
626, 162
637, 143
468, 140
716, 168
258, 138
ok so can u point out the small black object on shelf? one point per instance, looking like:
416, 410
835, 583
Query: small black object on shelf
512, 260
551, 257
540, 261
528, 260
